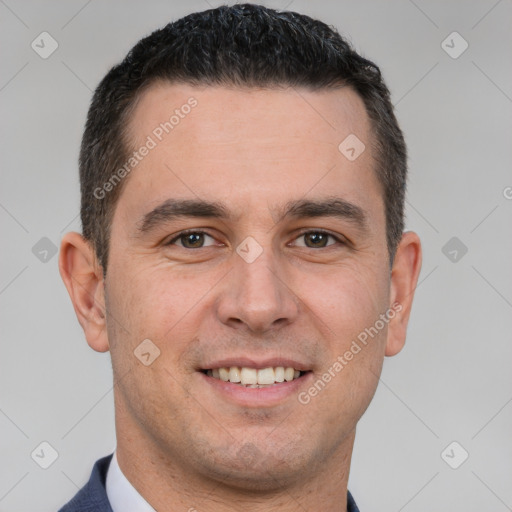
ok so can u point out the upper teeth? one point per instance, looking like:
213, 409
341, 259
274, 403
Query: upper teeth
248, 376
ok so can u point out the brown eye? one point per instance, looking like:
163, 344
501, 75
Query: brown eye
317, 239
191, 240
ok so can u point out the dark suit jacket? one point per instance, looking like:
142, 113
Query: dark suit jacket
93, 496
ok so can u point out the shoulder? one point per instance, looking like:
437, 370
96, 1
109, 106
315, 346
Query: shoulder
351, 504
93, 495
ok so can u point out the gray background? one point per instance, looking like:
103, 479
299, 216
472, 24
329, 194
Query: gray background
452, 382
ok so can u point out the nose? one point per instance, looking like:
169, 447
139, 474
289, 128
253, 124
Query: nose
257, 295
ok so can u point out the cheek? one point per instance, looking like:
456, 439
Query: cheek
152, 305
348, 309
148, 308
348, 301
353, 305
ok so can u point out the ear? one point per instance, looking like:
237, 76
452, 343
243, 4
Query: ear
404, 278
83, 277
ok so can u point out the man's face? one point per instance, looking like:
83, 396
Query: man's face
291, 296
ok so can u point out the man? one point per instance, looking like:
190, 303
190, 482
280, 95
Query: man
243, 259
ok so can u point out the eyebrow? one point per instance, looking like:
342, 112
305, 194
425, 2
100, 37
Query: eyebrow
172, 209
327, 207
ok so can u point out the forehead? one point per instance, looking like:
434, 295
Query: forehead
242, 146
325, 115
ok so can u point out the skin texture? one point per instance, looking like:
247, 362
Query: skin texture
180, 440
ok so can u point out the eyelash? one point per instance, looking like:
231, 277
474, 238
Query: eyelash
199, 232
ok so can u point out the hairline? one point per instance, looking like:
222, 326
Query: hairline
128, 142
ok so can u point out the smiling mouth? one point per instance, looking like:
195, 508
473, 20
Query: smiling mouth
255, 378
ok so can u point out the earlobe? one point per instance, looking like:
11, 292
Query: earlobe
83, 278
404, 278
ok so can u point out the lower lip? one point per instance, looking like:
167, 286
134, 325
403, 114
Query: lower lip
258, 397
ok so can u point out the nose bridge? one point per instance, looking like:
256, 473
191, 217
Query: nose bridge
259, 280
256, 295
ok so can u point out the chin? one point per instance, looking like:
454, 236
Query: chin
248, 480
254, 469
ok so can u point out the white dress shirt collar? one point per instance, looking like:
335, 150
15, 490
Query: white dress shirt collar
121, 493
